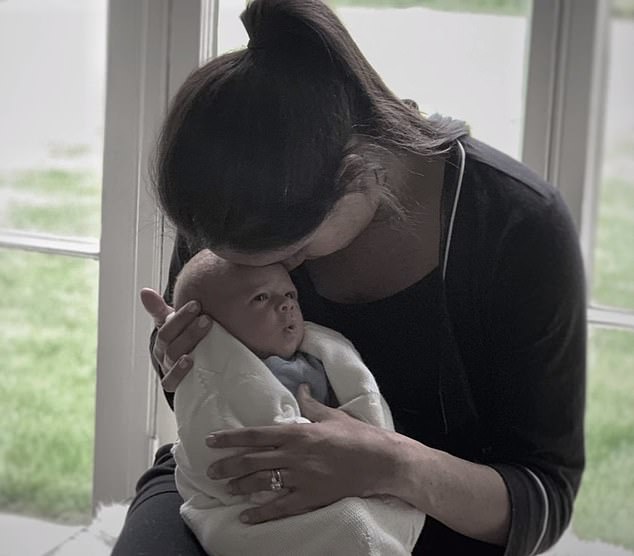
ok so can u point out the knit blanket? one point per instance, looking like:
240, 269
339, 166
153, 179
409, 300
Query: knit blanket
230, 387
99, 537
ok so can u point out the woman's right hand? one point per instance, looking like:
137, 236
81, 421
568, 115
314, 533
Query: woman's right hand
176, 336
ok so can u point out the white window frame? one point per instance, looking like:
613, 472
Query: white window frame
563, 124
152, 46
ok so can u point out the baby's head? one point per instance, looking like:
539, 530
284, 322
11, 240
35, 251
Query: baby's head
257, 305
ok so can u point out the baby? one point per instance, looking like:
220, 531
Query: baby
257, 305
246, 373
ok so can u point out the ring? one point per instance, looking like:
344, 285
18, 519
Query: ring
276, 480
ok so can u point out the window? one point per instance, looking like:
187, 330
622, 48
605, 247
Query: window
478, 76
52, 57
604, 510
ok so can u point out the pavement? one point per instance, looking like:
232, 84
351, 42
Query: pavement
26, 536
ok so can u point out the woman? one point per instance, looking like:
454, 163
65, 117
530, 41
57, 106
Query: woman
452, 268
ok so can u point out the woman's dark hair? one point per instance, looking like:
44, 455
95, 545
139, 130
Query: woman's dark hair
259, 144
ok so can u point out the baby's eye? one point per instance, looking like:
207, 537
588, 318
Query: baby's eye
261, 297
291, 295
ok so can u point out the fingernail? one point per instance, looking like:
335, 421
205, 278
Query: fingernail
203, 321
245, 518
184, 362
305, 389
210, 440
194, 307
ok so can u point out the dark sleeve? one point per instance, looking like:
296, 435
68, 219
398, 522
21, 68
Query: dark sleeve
180, 255
537, 346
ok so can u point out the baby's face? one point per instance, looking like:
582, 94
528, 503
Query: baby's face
258, 305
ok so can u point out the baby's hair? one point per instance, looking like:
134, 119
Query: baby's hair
194, 275
259, 144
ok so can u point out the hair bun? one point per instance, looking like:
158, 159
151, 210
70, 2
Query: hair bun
279, 24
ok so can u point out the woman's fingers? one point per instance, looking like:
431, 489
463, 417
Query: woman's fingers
269, 435
178, 334
181, 334
176, 339
312, 409
245, 464
259, 481
155, 305
173, 377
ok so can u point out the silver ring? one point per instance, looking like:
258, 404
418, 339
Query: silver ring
276, 480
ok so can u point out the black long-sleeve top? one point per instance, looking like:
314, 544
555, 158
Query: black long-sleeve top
503, 383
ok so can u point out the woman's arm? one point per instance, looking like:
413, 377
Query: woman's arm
469, 498
531, 392
538, 360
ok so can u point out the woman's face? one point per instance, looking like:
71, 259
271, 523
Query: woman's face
350, 216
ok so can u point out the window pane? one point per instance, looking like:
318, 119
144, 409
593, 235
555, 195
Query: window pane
613, 282
48, 334
467, 63
52, 58
605, 506
478, 76
231, 32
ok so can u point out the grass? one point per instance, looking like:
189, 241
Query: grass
48, 334
48, 342
620, 8
614, 256
605, 506
60, 202
502, 7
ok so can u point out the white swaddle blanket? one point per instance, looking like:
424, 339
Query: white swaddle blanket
230, 387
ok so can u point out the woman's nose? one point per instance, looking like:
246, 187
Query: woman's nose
293, 262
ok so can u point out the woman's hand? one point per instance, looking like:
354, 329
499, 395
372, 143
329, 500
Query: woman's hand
334, 457
176, 337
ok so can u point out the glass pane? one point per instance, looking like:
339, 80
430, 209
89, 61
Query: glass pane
231, 32
605, 506
52, 58
613, 282
461, 58
48, 334
401, 40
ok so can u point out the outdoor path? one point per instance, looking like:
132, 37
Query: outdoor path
25, 536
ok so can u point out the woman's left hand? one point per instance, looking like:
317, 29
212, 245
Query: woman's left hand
334, 457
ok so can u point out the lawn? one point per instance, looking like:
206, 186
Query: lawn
48, 342
506, 7
622, 8
48, 336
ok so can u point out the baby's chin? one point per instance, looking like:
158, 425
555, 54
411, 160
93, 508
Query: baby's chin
291, 345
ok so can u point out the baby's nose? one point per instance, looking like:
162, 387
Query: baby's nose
287, 304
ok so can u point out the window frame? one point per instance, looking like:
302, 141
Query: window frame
152, 46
